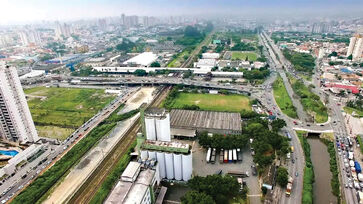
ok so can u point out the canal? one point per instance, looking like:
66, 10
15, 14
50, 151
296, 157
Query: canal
320, 159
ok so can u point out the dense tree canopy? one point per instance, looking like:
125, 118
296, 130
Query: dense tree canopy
155, 64
220, 188
195, 197
282, 176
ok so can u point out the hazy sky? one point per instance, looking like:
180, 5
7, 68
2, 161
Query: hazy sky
20, 11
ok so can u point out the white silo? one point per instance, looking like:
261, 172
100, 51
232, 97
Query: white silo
162, 125
160, 157
178, 167
150, 128
152, 155
169, 165
187, 166
144, 155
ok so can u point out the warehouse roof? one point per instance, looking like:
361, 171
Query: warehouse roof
145, 59
205, 119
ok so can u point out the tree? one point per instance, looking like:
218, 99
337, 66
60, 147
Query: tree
221, 188
282, 176
350, 57
278, 124
195, 197
333, 54
191, 31
140, 72
125, 46
155, 64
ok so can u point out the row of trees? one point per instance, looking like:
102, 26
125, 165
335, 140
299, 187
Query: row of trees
84, 71
223, 141
211, 189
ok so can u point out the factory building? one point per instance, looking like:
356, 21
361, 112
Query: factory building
186, 123
136, 186
174, 158
157, 124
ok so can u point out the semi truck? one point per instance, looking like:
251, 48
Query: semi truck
230, 156
289, 186
209, 152
357, 166
221, 155
225, 156
234, 155
239, 154
213, 157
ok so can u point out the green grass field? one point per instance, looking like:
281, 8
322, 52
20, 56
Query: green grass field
242, 56
211, 102
59, 110
177, 62
283, 99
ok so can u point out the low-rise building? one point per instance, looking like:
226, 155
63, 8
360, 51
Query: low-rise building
136, 186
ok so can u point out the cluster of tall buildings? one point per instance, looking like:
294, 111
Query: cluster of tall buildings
63, 30
29, 36
321, 28
132, 21
355, 47
16, 123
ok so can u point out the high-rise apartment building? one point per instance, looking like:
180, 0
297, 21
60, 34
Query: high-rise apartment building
62, 30
355, 47
29, 37
16, 123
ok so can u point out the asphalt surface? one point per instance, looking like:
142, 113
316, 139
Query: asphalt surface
336, 123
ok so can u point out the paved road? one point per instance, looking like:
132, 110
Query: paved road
336, 120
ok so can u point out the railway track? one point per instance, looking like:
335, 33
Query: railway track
94, 182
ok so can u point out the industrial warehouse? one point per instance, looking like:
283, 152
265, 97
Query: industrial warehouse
185, 123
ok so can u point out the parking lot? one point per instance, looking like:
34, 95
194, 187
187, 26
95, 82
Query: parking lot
202, 168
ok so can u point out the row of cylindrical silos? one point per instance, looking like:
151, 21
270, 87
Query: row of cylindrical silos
171, 165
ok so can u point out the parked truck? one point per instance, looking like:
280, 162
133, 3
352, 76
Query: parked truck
225, 156
350, 155
209, 152
234, 155
289, 186
213, 157
360, 177
357, 166
230, 156
221, 155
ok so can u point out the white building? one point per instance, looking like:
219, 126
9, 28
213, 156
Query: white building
355, 47
208, 55
175, 161
138, 190
143, 59
205, 63
157, 124
16, 123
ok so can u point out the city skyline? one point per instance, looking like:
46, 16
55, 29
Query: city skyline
22, 12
